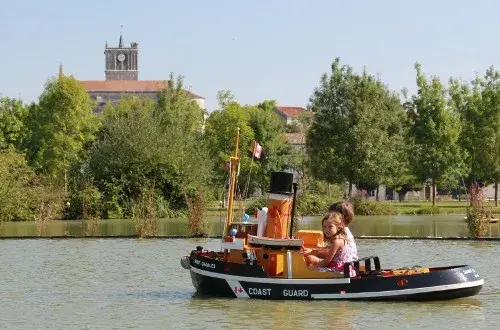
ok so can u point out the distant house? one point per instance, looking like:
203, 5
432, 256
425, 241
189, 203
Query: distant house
296, 140
289, 114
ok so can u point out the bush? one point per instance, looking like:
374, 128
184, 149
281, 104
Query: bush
21, 191
428, 210
365, 207
312, 204
477, 215
85, 203
256, 203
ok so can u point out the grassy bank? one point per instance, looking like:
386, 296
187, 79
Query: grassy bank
388, 208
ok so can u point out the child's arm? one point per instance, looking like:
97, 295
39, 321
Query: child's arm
318, 252
337, 244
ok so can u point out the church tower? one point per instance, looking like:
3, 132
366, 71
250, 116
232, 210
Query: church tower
121, 63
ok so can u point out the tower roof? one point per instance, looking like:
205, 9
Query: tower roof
120, 43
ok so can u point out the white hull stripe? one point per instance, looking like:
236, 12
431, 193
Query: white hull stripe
237, 289
228, 277
397, 292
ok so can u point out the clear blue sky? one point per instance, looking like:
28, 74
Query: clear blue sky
264, 49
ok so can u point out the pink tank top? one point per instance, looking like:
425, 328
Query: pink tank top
347, 254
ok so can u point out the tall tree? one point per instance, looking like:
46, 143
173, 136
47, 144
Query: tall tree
220, 131
435, 130
490, 138
350, 136
466, 100
182, 120
61, 125
269, 131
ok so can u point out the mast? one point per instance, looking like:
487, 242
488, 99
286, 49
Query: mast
234, 161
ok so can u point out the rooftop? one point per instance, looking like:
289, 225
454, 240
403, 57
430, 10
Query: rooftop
288, 111
129, 86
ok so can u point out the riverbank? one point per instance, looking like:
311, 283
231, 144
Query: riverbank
404, 238
389, 207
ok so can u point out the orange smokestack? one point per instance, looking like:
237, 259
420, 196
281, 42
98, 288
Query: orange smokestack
279, 204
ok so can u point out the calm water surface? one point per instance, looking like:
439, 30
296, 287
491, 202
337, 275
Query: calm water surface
441, 225
131, 283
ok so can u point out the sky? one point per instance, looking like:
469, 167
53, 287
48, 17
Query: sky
262, 49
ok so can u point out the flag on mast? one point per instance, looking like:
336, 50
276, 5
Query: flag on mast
257, 149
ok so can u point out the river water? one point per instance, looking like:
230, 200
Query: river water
118, 283
89, 283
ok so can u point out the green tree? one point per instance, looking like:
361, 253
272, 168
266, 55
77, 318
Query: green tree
466, 100
19, 187
351, 136
269, 132
13, 129
62, 124
182, 120
435, 129
220, 131
143, 145
489, 141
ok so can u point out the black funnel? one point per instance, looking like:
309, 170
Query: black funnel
281, 183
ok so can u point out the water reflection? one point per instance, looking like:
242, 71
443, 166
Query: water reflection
401, 225
264, 314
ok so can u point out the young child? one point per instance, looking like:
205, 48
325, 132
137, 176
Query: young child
347, 210
337, 251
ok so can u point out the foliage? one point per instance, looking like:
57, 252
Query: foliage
61, 125
20, 188
490, 142
50, 205
478, 214
313, 204
220, 132
144, 213
269, 131
24, 196
435, 129
198, 226
142, 142
428, 210
259, 202
466, 102
181, 120
13, 129
224, 98
362, 206
356, 120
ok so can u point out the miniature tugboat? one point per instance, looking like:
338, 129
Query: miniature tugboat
261, 259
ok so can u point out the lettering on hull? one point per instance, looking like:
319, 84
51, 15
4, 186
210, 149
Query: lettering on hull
204, 264
295, 293
259, 292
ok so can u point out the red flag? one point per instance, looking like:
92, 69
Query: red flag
257, 149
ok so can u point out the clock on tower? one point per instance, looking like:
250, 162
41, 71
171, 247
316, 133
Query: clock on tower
121, 63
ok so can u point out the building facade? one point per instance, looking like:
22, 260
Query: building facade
121, 68
121, 63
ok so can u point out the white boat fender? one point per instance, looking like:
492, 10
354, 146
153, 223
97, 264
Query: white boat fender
185, 262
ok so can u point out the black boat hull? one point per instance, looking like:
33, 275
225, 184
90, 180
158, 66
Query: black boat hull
217, 279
